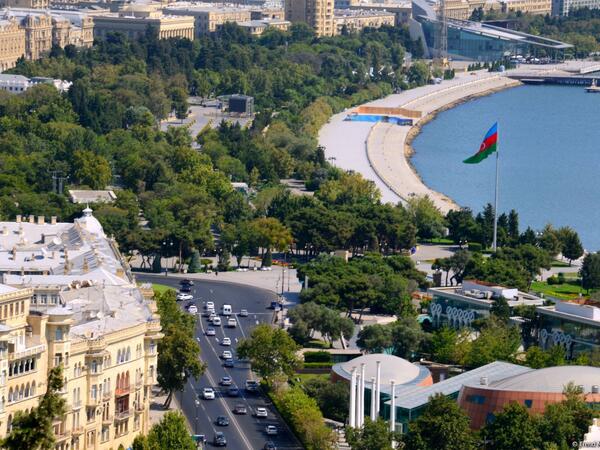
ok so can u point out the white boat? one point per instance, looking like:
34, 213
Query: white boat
593, 88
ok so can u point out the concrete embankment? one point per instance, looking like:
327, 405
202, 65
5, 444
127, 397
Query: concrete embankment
388, 146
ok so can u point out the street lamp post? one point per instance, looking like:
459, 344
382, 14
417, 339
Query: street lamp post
197, 403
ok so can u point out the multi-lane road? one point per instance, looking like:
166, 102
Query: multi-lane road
244, 432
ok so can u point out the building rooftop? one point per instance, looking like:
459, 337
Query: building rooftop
89, 196
410, 397
339, 13
550, 379
10, 78
483, 294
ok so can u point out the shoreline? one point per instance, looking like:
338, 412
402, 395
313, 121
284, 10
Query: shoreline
415, 130
398, 174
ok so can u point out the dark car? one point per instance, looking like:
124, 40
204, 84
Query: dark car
188, 304
240, 409
186, 282
185, 288
269, 445
222, 421
219, 439
233, 391
229, 363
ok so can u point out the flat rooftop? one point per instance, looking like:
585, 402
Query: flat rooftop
481, 294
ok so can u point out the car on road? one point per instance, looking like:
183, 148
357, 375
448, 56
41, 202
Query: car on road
231, 322
271, 430
185, 288
222, 421
184, 296
233, 391
269, 445
226, 310
229, 363
240, 408
186, 282
219, 439
226, 381
209, 305
192, 309
216, 321
251, 385
210, 332
212, 317
207, 312
260, 412
266, 268
226, 341
208, 393
243, 313
226, 354
190, 303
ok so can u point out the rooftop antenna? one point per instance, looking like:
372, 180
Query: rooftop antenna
442, 34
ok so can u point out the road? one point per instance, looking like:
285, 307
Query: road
244, 432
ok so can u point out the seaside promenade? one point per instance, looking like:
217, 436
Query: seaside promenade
381, 151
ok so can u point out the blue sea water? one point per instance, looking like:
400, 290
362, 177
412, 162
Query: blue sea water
549, 141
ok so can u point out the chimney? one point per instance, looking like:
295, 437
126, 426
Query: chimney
31, 218
41, 220
19, 218
53, 220
483, 381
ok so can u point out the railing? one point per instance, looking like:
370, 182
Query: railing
63, 435
123, 390
122, 415
30, 351
76, 404
76, 431
107, 420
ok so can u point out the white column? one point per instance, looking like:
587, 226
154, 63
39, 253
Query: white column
357, 403
362, 395
393, 406
372, 409
378, 388
352, 418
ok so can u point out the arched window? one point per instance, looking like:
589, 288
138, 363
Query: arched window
119, 357
9, 423
4, 315
21, 392
11, 310
10, 395
27, 390
33, 364
22, 307
33, 388
128, 354
118, 381
94, 366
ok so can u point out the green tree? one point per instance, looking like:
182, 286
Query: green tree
269, 234
91, 170
271, 351
512, 428
418, 74
332, 398
178, 351
571, 245
375, 338
34, 430
590, 271
170, 432
373, 435
407, 337
496, 341
426, 216
442, 425
501, 309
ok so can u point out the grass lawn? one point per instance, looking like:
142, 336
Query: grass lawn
557, 263
438, 241
304, 377
566, 290
160, 288
317, 343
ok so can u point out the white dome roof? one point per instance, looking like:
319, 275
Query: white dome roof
90, 223
392, 368
551, 379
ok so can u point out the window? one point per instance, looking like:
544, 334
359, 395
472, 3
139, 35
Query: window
59, 334
477, 399
528, 403
94, 391
105, 434
490, 417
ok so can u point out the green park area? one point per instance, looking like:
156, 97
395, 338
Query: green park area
567, 290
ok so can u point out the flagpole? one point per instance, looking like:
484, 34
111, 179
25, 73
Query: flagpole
495, 242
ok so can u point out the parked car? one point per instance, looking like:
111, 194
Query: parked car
240, 408
193, 309
231, 322
219, 440
226, 341
226, 381
208, 393
226, 354
229, 362
222, 421
184, 296
260, 412
186, 282
271, 430
210, 332
216, 321
233, 391
243, 313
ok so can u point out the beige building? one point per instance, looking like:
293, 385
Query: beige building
318, 14
258, 27
133, 21
68, 299
12, 43
38, 4
541, 7
208, 17
36, 31
355, 20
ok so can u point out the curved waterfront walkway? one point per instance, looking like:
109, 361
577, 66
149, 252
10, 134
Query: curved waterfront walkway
380, 151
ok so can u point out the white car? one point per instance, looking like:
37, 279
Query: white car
208, 393
226, 341
271, 430
243, 313
210, 305
226, 354
211, 332
182, 296
216, 321
260, 412
226, 381
193, 309
212, 317
231, 322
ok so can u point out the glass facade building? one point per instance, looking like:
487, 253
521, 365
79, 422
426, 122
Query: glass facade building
577, 334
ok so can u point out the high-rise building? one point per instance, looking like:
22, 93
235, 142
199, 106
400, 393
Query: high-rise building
318, 14
564, 7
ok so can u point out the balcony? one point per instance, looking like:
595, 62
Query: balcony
123, 415
62, 436
75, 405
139, 382
122, 391
139, 407
77, 430
106, 395
26, 352
107, 419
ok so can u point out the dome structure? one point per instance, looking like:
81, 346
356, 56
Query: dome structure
90, 223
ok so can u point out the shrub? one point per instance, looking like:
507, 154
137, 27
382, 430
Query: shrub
475, 247
317, 357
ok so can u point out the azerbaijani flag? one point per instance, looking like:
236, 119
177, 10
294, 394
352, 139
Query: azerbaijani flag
488, 146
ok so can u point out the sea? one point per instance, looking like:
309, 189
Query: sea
549, 156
